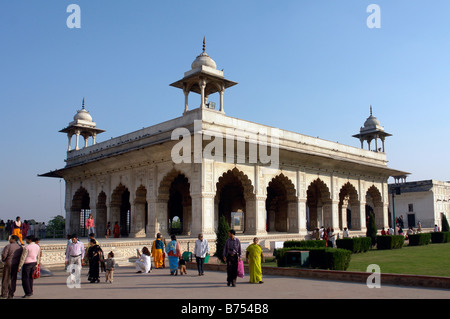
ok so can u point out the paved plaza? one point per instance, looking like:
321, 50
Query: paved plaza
160, 285
208, 296
191, 295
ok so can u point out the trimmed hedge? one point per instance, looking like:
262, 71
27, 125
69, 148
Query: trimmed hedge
305, 243
440, 237
330, 258
355, 244
390, 241
419, 239
321, 258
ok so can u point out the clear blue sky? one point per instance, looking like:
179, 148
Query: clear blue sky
312, 67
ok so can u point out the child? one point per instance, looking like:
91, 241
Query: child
182, 264
108, 230
110, 263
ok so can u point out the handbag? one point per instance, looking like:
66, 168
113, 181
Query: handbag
240, 270
37, 272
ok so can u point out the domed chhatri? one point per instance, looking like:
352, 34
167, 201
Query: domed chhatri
83, 125
203, 59
371, 121
203, 78
372, 130
83, 115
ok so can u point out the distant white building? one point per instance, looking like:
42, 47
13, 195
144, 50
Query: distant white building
425, 201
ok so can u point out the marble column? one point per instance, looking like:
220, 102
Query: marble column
202, 84
255, 220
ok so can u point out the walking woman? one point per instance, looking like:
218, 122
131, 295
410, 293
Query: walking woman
31, 257
90, 225
254, 257
17, 229
95, 256
158, 251
174, 253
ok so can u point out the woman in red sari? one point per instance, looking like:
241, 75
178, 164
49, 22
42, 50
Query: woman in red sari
116, 230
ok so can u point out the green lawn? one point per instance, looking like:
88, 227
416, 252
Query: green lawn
429, 260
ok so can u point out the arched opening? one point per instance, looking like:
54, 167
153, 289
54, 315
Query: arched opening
280, 192
234, 190
80, 211
374, 204
348, 207
318, 205
179, 206
121, 209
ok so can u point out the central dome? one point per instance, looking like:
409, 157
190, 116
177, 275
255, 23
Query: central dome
203, 59
83, 115
371, 121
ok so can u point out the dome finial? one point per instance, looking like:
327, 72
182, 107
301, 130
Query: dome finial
370, 109
82, 106
203, 59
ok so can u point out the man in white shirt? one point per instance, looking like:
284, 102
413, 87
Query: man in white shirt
201, 250
74, 261
391, 231
75, 252
345, 233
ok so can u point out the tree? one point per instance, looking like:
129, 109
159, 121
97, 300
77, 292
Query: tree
222, 236
371, 228
56, 226
445, 227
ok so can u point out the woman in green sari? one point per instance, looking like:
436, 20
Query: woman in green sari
254, 257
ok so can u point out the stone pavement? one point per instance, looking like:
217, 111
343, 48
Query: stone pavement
160, 285
193, 296
282, 294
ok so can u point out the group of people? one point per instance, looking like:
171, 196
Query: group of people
21, 229
232, 254
115, 231
389, 231
176, 262
411, 230
328, 235
90, 228
18, 258
93, 256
